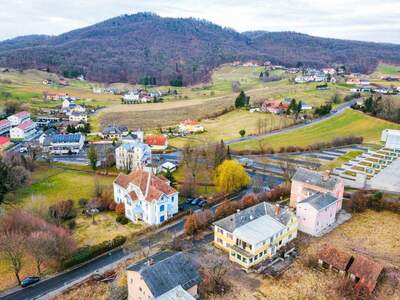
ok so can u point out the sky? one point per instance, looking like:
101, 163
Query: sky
366, 20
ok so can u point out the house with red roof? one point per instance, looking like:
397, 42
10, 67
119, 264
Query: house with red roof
4, 143
274, 106
19, 118
5, 126
23, 131
147, 197
157, 142
190, 126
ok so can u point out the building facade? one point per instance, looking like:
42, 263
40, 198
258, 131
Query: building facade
23, 131
256, 233
147, 197
133, 155
5, 126
19, 118
66, 143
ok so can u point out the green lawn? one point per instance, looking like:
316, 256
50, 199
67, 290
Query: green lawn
388, 69
338, 162
53, 185
348, 123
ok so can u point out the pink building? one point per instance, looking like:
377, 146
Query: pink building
306, 183
316, 213
317, 198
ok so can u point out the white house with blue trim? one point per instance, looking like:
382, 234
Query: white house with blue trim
147, 197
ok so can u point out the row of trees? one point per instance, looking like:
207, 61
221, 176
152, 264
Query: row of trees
24, 235
387, 108
201, 220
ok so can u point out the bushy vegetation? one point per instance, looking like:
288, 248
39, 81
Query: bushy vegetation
387, 108
88, 252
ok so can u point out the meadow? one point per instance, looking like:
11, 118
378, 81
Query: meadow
347, 123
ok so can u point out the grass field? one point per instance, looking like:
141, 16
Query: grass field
348, 123
227, 127
338, 162
386, 69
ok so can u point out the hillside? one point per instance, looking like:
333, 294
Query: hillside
134, 48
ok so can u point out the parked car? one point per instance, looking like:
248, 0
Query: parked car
188, 200
195, 201
29, 281
202, 203
23, 150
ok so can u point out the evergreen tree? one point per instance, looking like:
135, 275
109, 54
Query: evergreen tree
92, 156
170, 177
242, 100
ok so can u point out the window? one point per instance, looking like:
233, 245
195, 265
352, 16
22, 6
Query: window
162, 219
162, 207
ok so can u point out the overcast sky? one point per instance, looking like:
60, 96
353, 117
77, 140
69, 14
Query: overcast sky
369, 20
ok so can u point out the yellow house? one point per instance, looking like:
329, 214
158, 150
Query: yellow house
255, 234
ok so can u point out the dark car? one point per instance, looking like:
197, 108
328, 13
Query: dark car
29, 281
202, 203
195, 201
189, 200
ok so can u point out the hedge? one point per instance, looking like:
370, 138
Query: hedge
88, 252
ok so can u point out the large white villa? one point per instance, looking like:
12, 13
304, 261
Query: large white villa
147, 197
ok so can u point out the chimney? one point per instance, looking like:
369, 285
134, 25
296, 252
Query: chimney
277, 209
327, 175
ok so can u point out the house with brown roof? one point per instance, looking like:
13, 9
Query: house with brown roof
331, 258
362, 270
147, 197
365, 272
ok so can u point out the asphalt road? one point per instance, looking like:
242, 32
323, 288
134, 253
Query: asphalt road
46, 286
338, 110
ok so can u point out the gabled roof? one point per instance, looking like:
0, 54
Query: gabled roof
22, 114
156, 140
315, 178
151, 186
5, 122
320, 200
4, 140
366, 269
177, 293
252, 213
332, 256
169, 271
26, 125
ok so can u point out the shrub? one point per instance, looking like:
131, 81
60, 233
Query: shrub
120, 209
122, 220
63, 210
71, 224
88, 252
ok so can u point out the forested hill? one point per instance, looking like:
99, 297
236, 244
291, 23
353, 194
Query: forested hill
132, 48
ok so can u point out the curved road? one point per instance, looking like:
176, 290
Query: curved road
337, 111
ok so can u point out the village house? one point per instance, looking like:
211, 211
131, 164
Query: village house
317, 213
333, 259
19, 118
190, 126
5, 126
66, 143
55, 96
133, 155
147, 197
78, 117
133, 136
114, 132
23, 131
255, 234
164, 276
306, 183
157, 142
317, 198
4, 143
274, 106
68, 103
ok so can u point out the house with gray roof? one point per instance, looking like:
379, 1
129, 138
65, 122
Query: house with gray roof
307, 182
317, 213
162, 275
255, 234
